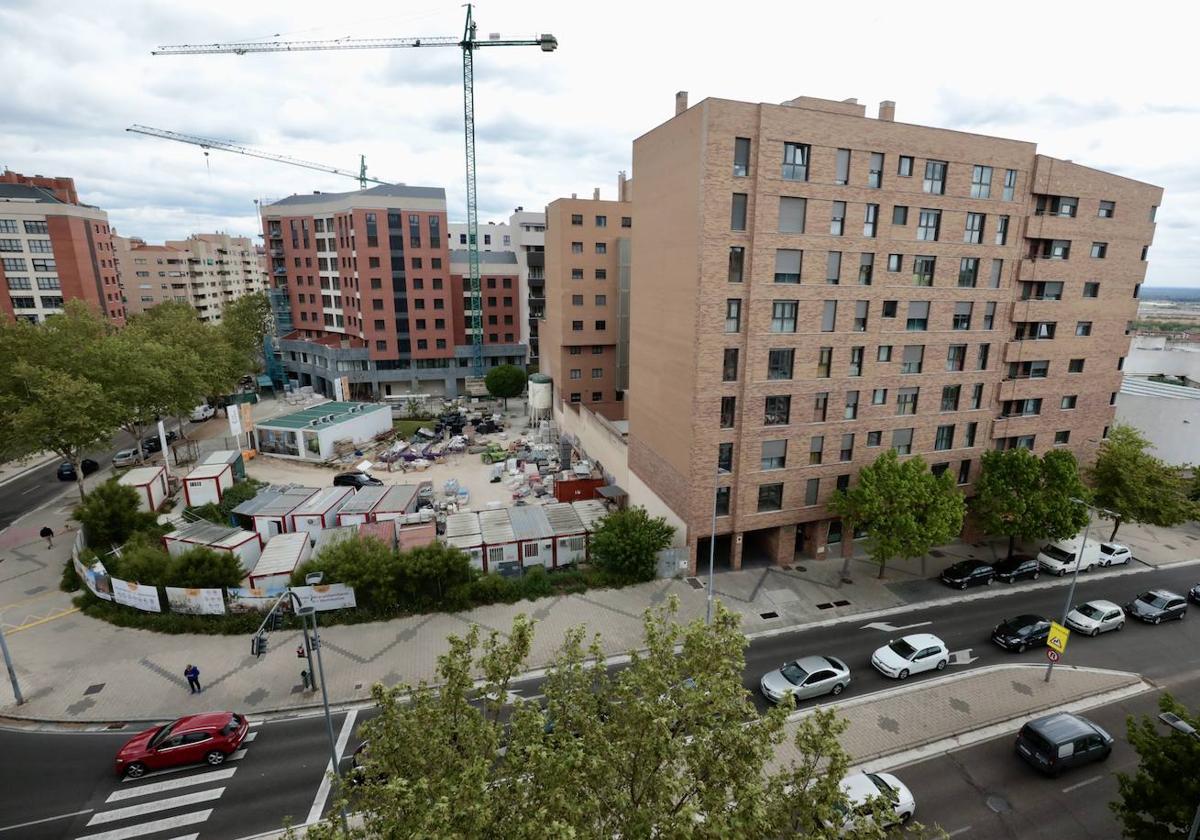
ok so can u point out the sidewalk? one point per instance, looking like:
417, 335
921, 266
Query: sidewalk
14, 469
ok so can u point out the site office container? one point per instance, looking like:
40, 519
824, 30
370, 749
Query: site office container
535, 537
320, 511
273, 517
150, 484
399, 501
462, 532
207, 484
359, 509
279, 559
570, 537
501, 549
246, 546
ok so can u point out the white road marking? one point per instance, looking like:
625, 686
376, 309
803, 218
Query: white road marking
187, 836
165, 772
173, 784
168, 804
890, 628
1081, 784
143, 829
46, 820
959, 831
962, 657
237, 756
314, 813
250, 737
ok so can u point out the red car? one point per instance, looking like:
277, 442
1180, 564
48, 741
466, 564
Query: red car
210, 737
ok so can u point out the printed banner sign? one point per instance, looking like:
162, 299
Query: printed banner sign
96, 579
244, 599
329, 596
136, 595
195, 601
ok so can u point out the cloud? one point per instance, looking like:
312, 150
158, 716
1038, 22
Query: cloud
965, 112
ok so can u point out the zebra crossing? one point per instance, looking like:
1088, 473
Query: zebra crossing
163, 804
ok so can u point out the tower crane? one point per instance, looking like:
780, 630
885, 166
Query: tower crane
469, 43
229, 146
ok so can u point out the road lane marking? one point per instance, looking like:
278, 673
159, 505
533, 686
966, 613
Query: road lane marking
890, 628
1081, 784
46, 820
168, 804
314, 813
143, 829
173, 784
959, 831
187, 836
237, 756
250, 737
29, 625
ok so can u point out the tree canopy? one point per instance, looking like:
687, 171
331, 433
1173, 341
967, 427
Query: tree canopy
1159, 800
904, 508
111, 514
626, 544
1019, 494
505, 381
1136, 486
244, 324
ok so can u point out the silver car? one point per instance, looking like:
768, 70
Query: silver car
810, 676
1096, 617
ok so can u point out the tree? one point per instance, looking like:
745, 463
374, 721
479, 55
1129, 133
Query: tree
904, 508
505, 381
111, 514
366, 564
203, 568
1136, 486
431, 574
1020, 495
1159, 800
141, 560
245, 322
626, 544
1061, 516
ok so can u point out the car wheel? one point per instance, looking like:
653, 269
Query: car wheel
962, 585
1095, 632
903, 675
1035, 575
1062, 572
135, 770
942, 665
215, 757
1021, 648
837, 689
1156, 620
905, 817
1182, 614
987, 582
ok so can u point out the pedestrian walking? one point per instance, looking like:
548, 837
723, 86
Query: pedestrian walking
47, 533
193, 677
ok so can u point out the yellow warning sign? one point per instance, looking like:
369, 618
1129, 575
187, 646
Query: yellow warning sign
1057, 640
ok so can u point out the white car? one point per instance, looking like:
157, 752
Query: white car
1114, 554
911, 655
1096, 617
203, 412
861, 788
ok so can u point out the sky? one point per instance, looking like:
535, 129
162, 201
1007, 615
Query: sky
1090, 82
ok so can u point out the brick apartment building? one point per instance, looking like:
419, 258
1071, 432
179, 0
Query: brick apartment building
207, 270
363, 288
814, 286
53, 249
585, 340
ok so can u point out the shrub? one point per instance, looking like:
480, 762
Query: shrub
203, 568
430, 572
536, 583
626, 543
493, 589
366, 564
141, 560
69, 582
111, 514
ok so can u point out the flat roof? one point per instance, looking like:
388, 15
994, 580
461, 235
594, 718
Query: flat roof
590, 511
281, 555
322, 501
397, 498
496, 526
337, 412
364, 501
333, 536
530, 523
382, 191
264, 497
464, 540
462, 524
203, 531
223, 456
564, 519
140, 475
207, 470
286, 502
1165, 390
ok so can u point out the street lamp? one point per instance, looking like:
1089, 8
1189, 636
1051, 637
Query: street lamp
1078, 563
1180, 725
712, 544
313, 579
12, 672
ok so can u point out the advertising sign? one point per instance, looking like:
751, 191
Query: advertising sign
329, 596
195, 601
96, 579
234, 414
135, 595
244, 599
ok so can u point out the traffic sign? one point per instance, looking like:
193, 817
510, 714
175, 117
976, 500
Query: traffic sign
1057, 639
1052, 654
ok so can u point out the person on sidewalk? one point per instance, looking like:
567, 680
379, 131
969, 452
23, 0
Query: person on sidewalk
47, 533
193, 677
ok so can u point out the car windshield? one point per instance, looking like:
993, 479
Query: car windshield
793, 673
161, 734
1058, 554
1089, 611
902, 648
1153, 600
885, 789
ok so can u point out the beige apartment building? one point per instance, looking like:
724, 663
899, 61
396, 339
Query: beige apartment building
585, 340
207, 270
815, 286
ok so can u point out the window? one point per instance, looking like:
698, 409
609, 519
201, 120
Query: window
737, 217
833, 268
812, 491
976, 396
21, 283
1083, 328
576, 373
1062, 437
1099, 250
851, 412
918, 316
48, 284
791, 214
787, 265
576, 274
939, 469
923, 269
626, 221
906, 400
777, 411
981, 358
728, 405
576, 397
968, 272
601, 221
8, 226
837, 220
577, 219
774, 454
741, 157
935, 177
722, 503
770, 497
997, 273
866, 267
829, 316
795, 161
783, 316
816, 449
884, 353
729, 365
846, 453
900, 215
843, 167
874, 438
895, 262
820, 404
1107, 209
36, 227
989, 315
1029, 407
944, 439
1002, 230
904, 166
928, 224
973, 232
11, 246
737, 261
824, 362
733, 314
1075, 366
1068, 402
902, 441
1028, 370
856, 361
962, 315
577, 300
780, 362
601, 300
913, 358
600, 325
950, 395
1010, 184
576, 247
14, 264
889, 308
981, 182
964, 472
862, 309
601, 248
1041, 290
1144, 257
879, 396
870, 220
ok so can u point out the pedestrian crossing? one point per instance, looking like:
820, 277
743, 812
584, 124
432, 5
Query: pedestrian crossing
166, 804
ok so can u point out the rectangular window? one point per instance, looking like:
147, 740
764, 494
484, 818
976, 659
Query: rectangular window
729, 365
829, 316
964, 472
824, 362
870, 220
722, 503
846, 453
962, 315
913, 359
770, 497
833, 268
737, 261
576, 247
981, 358
737, 215
783, 316
1091, 290
733, 315
895, 262
787, 265
1029, 370
889, 308
812, 491
780, 363
923, 270
875, 173
728, 406
981, 182
1144, 257
837, 219
576, 274
10, 246
1083, 328
900, 215
935, 177
1002, 230
843, 167
851, 412
741, 157
777, 411
1107, 209
862, 309
879, 396
1099, 250
44, 265
1075, 366
997, 273
816, 449
973, 232
856, 361
774, 454
414, 231
601, 221
1010, 184
577, 219
795, 161
918, 316
8, 226
989, 315
601, 247
950, 396
928, 223
969, 437
976, 396
902, 441
968, 272
791, 214
1062, 437
820, 404
884, 353
866, 267
939, 469
906, 400
944, 438
1068, 402
36, 227
904, 166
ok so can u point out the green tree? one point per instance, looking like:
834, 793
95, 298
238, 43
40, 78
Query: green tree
141, 560
904, 508
505, 381
203, 568
1135, 485
625, 544
366, 564
1020, 495
1061, 484
1159, 800
111, 514
434, 576
245, 322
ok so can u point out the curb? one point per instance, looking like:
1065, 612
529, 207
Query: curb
24, 472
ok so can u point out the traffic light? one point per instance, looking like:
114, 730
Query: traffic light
275, 620
258, 645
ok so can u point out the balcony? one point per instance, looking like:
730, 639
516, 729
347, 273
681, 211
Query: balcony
279, 271
275, 252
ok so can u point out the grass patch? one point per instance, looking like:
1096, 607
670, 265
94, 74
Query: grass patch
408, 428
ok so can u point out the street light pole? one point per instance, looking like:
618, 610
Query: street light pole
712, 550
1180, 725
312, 580
1075, 576
12, 672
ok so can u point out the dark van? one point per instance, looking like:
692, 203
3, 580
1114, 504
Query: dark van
1058, 742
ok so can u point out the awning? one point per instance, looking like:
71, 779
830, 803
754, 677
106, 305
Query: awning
612, 491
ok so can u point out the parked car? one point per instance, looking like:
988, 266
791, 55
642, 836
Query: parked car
911, 655
1060, 557
1017, 567
1096, 617
151, 443
1022, 632
355, 479
966, 573
1055, 743
66, 470
861, 788
1156, 606
1114, 554
125, 458
809, 676
210, 737
203, 412
1194, 593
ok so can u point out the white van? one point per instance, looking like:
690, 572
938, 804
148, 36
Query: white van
1060, 557
202, 412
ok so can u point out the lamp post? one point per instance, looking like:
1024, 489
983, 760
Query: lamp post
12, 672
1180, 725
712, 544
312, 579
1078, 563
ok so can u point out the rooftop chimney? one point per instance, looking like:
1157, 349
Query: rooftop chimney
596, 194
573, 195
621, 186
680, 102
887, 111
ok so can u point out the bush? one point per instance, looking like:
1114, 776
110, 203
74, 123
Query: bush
429, 574
536, 583
626, 543
141, 561
203, 568
69, 582
111, 514
366, 564
493, 589
222, 513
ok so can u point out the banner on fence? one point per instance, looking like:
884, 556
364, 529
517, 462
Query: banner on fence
96, 578
195, 601
329, 596
135, 595
244, 599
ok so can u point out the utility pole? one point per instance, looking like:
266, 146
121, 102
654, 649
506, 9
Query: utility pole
1075, 576
12, 673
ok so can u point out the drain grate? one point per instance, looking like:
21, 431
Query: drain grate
768, 615
825, 606
799, 568
94, 689
841, 603
116, 726
695, 583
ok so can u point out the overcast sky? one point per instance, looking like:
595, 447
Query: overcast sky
1091, 82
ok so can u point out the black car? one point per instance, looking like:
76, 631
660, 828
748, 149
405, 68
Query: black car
1017, 567
1060, 741
1194, 594
1156, 606
1022, 632
151, 443
356, 479
968, 573
66, 470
